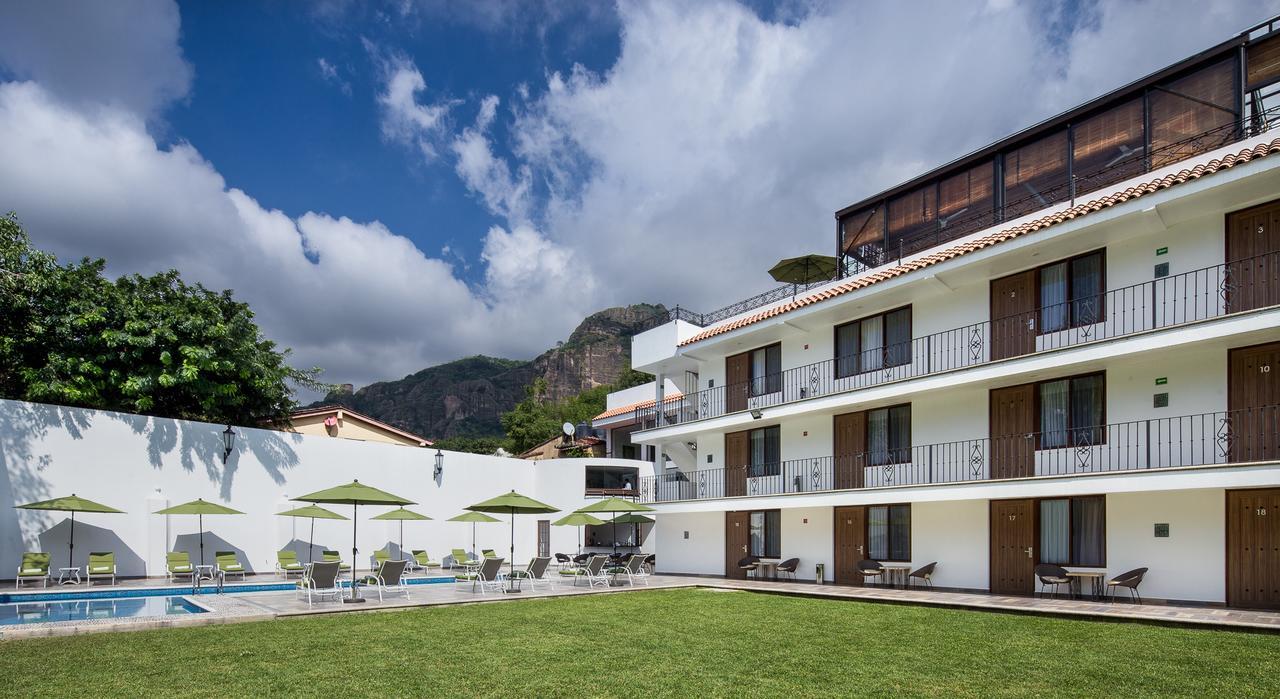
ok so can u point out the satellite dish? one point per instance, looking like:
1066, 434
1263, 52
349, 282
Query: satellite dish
568, 429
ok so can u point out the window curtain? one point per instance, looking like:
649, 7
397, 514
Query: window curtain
1055, 535
757, 534
1053, 297
900, 434
759, 370
847, 350
758, 458
872, 354
1087, 409
878, 436
772, 533
900, 532
1053, 414
898, 337
1086, 290
773, 368
1088, 519
878, 533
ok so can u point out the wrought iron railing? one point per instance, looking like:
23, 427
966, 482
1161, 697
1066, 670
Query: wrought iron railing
1205, 439
1171, 301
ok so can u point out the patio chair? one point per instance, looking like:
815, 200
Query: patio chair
379, 557
870, 570
228, 564
788, 568
563, 561
1130, 579
1051, 575
287, 563
488, 576
634, 570
650, 562
319, 581
422, 561
489, 553
178, 564
462, 560
924, 573
389, 578
749, 565
330, 556
592, 572
102, 564
34, 566
535, 573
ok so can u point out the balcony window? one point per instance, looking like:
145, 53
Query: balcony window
1108, 147
877, 342
1193, 114
1071, 292
611, 480
765, 365
889, 435
966, 202
766, 452
1073, 531
862, 235
766, 533
1035, 175
1072, 412
889, 532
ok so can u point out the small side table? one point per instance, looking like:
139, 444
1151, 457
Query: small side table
1077, 578
769, 568
69, 575
204, 572
897, 574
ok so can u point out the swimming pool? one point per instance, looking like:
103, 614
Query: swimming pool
84, 609
117, 593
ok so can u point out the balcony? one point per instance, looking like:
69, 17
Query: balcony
1204, 294
1206, 439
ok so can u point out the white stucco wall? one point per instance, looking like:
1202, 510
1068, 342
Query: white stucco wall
1191, 563
956, 535
141, 464
690, 543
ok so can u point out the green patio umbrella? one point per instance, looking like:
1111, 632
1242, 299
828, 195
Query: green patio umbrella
354, 494
199, 507
313, 512
513, 503
635, 519
402, 514
473, 518
72, 504
805, 269
577, 519
614, 506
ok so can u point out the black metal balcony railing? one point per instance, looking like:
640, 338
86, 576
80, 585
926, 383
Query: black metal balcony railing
1205, 439
1167, 302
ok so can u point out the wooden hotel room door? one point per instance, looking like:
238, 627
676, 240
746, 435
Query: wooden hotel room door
1253, 548
737, 542
850, 542
1253, 391
1013, 425
1013, 315
1253, 265
737, 382
850, 449
1013, 535
737, 457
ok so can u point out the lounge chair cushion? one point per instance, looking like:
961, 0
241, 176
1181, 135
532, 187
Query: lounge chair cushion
466, 576
31, 571
99, 569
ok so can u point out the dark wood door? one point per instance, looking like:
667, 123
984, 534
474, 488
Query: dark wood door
1253, 548
737, 456
544, 537
737, 542
851, 544
737, 382
850, 449
1013, 532
1013, 315
1013, 426
1253, 392
1253, 258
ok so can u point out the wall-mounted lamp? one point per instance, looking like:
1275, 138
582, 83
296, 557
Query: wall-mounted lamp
228, 442
439, 470
693, 446
756, 414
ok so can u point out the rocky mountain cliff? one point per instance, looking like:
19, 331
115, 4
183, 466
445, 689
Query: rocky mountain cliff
464, 398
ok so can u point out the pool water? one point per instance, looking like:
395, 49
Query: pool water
80, 610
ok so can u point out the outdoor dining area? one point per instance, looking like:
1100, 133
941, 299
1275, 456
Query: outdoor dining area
321, 574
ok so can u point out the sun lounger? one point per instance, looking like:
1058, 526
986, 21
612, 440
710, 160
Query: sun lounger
229, 564
334, 557
319, 581
592, 572
462, 560
178, 564
389, 578
102, 564
287, 563
422, 561
535, 573
34, 566
488, 577
634, 570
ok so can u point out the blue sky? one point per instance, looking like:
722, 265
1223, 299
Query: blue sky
392, 184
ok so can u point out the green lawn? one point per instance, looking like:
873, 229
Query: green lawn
660, 643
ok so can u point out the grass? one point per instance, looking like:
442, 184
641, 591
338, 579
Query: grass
659, 643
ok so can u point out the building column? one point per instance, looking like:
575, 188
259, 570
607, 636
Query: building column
659, 385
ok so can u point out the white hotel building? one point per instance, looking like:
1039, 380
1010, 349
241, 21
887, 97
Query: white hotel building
1062, 348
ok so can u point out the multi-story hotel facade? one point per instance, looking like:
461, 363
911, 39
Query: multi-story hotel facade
1062, 348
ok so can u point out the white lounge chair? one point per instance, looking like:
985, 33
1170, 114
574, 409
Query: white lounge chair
488, 577
389, 578
535, 573
320, 580
634, 570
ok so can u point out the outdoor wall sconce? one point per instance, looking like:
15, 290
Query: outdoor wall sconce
228, 442
756, 414
439, 470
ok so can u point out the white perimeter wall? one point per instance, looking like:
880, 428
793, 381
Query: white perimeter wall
141, 464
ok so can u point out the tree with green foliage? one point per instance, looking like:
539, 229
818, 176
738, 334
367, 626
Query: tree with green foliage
474, 445
536, 419
152, 345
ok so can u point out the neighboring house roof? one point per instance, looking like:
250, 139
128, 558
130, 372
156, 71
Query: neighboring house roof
559, 444
614, 412
1138, 190
348, 414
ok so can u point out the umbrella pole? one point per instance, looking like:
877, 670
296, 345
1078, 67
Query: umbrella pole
473, 538
615, 534
311, 543
355, 523
402, 538
71, 544
200, 526
511, 580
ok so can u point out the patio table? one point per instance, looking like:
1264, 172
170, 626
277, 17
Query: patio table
764, 565
1095, 579
204, 572
69, 575
896, 574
